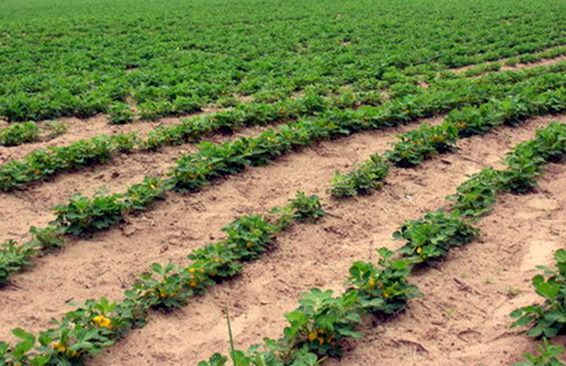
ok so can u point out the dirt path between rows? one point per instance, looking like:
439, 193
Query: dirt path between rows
448, 327
32, 206
170, 230
307, 255
520, 66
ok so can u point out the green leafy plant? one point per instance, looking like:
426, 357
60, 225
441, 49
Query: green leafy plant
19, 133
48, 238
319, 324
365, 177
139, 196
548, 356
383, 290
476, 196
163, 288
433, 236
306, 207
417, 145
549, 319
83, 215
13, 257
120, 114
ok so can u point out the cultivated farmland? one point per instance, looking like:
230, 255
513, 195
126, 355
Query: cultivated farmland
282, 183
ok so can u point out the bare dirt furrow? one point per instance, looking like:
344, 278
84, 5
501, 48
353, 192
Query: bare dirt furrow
82, 129
545, 62
20, 210
520, 66
463, 320
100, 265
317, 255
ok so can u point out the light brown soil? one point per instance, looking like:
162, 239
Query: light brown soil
22, 209
462, 319
543, 62
547, 62
83, 129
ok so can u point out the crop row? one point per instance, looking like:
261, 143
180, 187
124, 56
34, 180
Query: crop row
317, 329
28, 132
513, 61
44, 163
84, 216
417, 145
95, 325
177, 59
321, 321
546, 320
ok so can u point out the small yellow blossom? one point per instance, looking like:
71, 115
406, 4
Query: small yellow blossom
191, 270
59, 347
419, 250
193, 283
386, 294
313, 336
162, 294
249, 244
371, 282
102, 321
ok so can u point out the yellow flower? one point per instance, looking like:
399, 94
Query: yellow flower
321, 340
371, 282
419, 250
313, 336
193, 283
386, 294
102, 321
59, 347
191, 270
249, 244
151, 186
215, 260
162, 294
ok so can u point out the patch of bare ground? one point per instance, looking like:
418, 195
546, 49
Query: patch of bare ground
20, 210
172, 229
319, 255
463, 319
100, 265
305, 256
520, 66
547, 62
84, 129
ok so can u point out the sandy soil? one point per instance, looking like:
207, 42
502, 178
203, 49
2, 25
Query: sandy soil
32, 205
462, 319
543, 62
82, 129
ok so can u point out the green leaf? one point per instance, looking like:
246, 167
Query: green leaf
548, 290
240, 359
